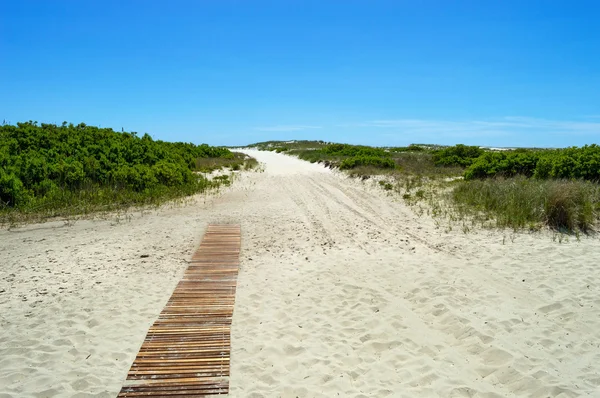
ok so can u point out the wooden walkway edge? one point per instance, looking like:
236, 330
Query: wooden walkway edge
186, 351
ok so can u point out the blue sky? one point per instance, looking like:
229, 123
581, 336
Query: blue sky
497, 73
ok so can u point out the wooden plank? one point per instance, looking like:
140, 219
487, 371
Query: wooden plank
186, 352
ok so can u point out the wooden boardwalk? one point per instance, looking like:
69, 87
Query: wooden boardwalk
186, 351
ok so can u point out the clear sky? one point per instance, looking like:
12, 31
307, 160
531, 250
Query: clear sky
497, 73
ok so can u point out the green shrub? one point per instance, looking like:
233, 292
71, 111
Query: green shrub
34, 169
12, 190
570, 163
503, 164
410, 148
73, 174
138, 177
378, 162
168, 173
62, 165
353, 150
458, 155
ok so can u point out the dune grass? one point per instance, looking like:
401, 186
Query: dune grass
521, 202
69, 204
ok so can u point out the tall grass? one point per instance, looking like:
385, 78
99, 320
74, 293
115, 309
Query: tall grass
95, 198
520, 202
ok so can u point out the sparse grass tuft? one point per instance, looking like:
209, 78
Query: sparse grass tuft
386, 185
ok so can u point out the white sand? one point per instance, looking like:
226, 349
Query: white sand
343, 291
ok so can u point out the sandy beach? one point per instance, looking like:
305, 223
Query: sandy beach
343, 291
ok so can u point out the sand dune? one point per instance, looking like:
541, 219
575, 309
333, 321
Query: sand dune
343, 291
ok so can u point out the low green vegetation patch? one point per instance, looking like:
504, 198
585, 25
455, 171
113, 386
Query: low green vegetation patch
347, 150
348, 157
570, 163
50, 170
458, 155
367, 160
410, 148
282, 146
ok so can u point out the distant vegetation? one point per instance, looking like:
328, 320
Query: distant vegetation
273, 145
570, 163
458, 155
348, 157
519, 188
49, 169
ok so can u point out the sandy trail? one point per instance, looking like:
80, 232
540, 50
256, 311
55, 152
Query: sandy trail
343, 291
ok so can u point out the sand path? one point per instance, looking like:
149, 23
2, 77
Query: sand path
343, 291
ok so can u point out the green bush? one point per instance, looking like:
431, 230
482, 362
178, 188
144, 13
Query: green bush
12, 190
353, 150
570, 163
168, 173
503, 164
347, 156
378, 162
39, 161
137, 177
458, 155
73, 174
410, 148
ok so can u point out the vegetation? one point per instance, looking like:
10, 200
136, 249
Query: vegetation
379, 162
286, 145
458, 155
52, 170
364, 161
521, 202
520, 188
410, 148
348, 157
570, 163
353, 151
238, 161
